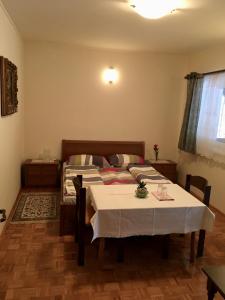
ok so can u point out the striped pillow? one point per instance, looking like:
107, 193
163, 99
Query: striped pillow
87, 160
123, 160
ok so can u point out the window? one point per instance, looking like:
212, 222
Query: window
221, 127
210, 138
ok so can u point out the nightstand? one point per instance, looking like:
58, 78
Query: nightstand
166, 168
36, 173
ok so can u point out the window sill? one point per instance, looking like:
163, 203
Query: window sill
221, 140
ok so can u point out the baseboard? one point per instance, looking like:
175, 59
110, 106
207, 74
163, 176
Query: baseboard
10, 214
217, 210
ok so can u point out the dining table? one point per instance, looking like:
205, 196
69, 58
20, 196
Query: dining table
120, 213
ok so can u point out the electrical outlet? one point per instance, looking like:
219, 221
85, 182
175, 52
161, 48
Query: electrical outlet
3, 213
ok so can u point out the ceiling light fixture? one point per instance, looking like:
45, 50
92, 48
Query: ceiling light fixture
154, 9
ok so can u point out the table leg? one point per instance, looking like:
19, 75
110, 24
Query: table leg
120, 250
101, 249
211, 289
201, 242
192, 252
166, 245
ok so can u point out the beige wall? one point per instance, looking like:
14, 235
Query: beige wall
11, 127
65, 97
210, 59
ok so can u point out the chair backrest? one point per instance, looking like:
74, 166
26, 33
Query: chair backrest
80, 200
80, 217
77, 182
201, 184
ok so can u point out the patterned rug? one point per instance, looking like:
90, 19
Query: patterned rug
37, 207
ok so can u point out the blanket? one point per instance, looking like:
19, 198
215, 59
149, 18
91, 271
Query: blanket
116, 176
147, 174
90, 176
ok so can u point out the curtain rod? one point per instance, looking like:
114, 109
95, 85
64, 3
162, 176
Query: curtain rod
214, 72
207, 73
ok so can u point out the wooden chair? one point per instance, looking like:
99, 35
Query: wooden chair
215, 280
77, 182
83, 214
202, 185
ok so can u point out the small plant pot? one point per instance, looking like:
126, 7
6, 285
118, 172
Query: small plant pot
141, 193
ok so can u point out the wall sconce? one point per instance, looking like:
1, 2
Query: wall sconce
110, 75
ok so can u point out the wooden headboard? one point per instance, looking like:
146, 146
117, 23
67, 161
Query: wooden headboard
104, 148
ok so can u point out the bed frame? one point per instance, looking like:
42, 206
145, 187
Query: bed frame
104, 148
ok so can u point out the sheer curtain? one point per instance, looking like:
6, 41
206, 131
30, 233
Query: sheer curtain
207, 145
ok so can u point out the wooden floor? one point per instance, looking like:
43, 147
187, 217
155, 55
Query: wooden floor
37, 264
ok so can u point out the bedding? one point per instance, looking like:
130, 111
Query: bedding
123, 160
116, 176
147, 174
90, 176
87, 160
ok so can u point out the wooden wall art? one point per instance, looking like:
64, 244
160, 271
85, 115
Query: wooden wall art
8, 87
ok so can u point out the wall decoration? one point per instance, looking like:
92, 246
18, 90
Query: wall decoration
8, 87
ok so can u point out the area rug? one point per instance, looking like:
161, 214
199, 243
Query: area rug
36, 207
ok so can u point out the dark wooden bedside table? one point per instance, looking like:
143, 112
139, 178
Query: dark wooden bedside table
36, 173
167, 168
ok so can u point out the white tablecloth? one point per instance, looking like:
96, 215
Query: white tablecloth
119, 213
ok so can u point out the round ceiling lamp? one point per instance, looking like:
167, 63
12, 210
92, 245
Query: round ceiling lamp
154, 9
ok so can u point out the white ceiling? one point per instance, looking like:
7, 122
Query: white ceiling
114, 24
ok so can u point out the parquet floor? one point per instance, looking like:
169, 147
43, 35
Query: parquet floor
37, 264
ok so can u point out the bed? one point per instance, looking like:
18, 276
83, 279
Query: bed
93, 175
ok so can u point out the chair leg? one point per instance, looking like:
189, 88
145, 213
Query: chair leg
76, 225
81, 245
81, 208
192, 252
80, 258
166, 244
61, 227
61, 222
201, 243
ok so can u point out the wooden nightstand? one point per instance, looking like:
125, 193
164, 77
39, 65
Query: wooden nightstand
166, 168
36, 173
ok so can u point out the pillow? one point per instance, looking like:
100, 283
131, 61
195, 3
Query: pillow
123, 160
88, 159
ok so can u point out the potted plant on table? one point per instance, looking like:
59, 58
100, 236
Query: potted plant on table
141, 191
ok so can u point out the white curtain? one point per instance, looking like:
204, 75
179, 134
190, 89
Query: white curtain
207, 145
